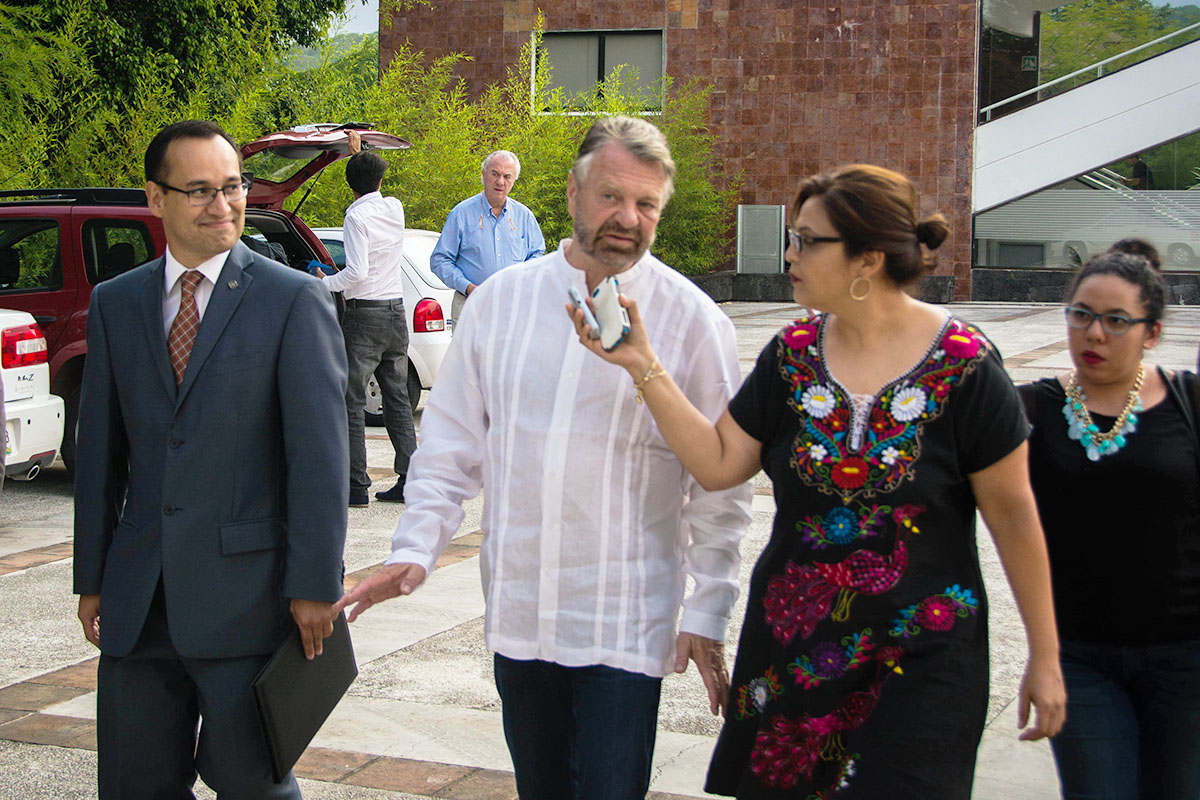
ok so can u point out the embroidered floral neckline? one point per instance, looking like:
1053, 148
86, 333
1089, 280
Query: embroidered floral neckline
824, 453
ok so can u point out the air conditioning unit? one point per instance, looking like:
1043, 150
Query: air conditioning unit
761, 239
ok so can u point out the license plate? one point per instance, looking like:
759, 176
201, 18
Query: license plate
23, 385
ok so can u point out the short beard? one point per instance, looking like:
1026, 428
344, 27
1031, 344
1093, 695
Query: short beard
614, 260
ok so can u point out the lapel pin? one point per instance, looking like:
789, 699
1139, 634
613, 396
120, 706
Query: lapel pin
232, 284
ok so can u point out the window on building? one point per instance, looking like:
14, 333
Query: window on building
580, 61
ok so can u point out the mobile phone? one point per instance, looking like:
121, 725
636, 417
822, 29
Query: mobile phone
614, 320
588, 317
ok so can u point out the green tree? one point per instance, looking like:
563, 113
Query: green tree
182, 40
1081, 34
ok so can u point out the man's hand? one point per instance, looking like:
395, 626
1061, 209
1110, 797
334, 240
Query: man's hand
470, 288
89, 615
320, 273
354, 142
315, 621
394, 580
709, 656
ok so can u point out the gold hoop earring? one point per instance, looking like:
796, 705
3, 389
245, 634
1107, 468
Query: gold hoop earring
863, 296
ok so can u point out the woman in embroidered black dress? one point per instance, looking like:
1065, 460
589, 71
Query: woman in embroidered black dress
862, 668
1126, 571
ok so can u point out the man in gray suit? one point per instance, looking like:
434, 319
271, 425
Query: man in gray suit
211, 483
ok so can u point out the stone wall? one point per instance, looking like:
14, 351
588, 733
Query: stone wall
799, 86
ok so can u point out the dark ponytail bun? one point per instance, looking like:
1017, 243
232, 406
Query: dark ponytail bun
932, 231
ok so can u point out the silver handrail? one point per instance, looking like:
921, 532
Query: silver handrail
1098, 66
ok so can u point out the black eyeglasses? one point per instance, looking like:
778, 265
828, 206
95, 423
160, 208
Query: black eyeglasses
202, 197
799, 241
1116, 324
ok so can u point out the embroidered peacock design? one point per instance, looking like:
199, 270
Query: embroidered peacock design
797, 600
789, 749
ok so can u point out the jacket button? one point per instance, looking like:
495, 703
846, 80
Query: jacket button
175, 443
168, 509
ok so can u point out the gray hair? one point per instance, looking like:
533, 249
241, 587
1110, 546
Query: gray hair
492, 156
643, 140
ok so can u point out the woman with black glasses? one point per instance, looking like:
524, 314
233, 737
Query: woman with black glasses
1113, 461
884, 423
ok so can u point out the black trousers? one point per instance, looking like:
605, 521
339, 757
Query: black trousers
161, 718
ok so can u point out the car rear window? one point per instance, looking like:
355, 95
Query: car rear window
30, 258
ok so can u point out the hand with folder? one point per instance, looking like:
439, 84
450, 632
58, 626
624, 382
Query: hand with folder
393, 580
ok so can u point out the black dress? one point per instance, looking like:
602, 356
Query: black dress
862, 668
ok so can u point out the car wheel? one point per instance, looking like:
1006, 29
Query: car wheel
1180, 255
374, 414
70, 428
414, 387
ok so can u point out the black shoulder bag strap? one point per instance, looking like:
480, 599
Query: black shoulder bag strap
1184, 388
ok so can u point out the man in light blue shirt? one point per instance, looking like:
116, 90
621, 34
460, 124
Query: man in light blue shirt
486, 232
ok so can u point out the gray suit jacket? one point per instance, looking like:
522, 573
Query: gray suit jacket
232, 488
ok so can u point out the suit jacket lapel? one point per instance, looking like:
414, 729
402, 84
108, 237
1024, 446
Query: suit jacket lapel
226, 295
152, 316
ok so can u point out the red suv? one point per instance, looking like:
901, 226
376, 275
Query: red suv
56, 244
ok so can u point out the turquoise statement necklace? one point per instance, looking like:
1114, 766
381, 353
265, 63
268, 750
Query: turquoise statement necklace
1081, 428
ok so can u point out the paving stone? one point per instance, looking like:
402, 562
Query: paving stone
8, 715
485, 784
325, 764
46, 729
35, 696
406, 775
85, 740
81, 676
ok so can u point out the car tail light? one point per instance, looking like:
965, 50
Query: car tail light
427, 317
23, 346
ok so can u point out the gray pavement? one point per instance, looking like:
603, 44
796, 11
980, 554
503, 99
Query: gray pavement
423, 718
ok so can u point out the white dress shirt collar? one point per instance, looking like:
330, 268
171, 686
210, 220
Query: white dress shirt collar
209, 268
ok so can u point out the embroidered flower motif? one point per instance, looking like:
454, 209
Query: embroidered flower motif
841, 526
908, 403
961, 341
817, 452
753, 697
829, 660
936, 613
889, 455
818, 401
851, 473
800, 335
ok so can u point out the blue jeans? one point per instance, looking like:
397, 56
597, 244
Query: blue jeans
578, 733
376, 333
1133, 722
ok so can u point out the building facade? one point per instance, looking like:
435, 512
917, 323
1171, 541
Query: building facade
798, 87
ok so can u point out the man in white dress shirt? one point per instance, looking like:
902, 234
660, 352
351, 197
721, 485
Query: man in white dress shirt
374, 324
590, 524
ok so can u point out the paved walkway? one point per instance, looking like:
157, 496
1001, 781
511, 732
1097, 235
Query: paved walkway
423, 718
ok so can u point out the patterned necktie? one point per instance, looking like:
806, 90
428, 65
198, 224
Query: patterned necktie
187, 322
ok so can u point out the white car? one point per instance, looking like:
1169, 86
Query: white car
427, 303
33, 418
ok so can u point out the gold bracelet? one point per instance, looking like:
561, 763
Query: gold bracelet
656, 371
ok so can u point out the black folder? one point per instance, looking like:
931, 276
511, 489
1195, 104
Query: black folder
295, 696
